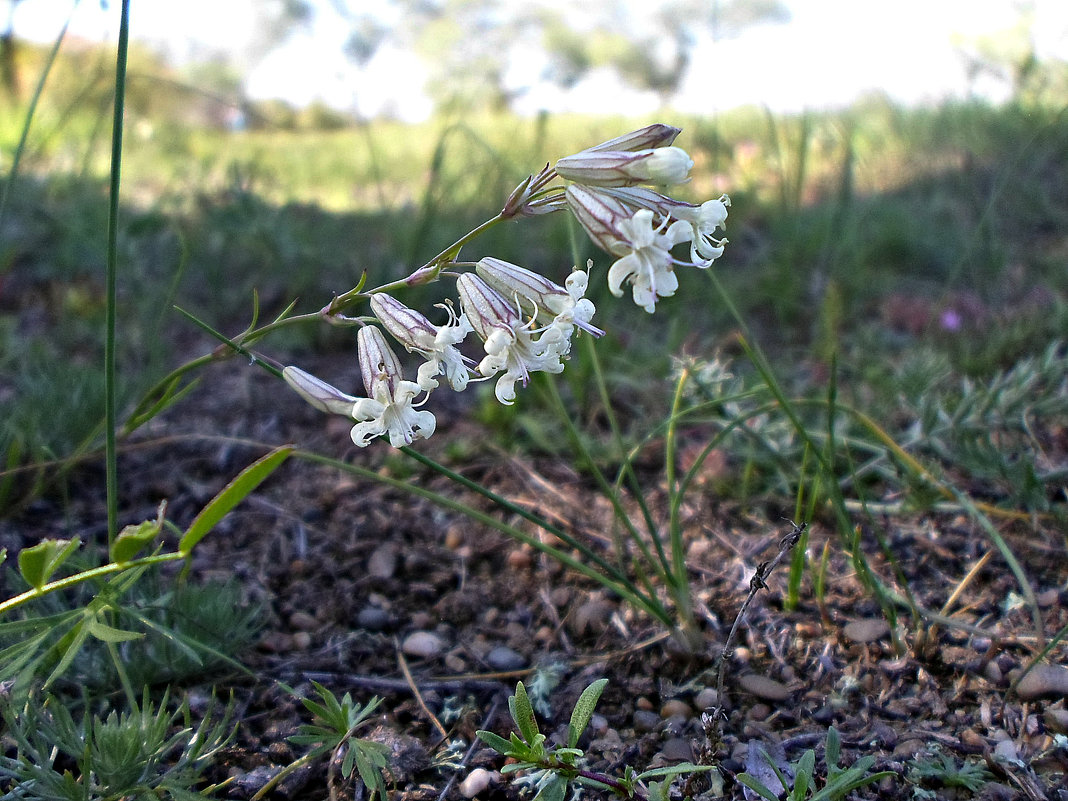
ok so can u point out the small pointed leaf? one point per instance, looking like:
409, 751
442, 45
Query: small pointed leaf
583, 712
523, 713
105, 633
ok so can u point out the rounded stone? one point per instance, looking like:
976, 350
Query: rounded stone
423, 645
867, 630
478, 780
676, 707
504, 658
371, 618
763, 687
645, 720
1044, 681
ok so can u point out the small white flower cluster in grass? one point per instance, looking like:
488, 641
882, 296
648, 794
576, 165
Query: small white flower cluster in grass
524, 320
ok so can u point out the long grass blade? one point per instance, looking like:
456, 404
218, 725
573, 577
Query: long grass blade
110, 392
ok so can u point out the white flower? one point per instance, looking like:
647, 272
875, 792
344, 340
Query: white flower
510, 344
542, 296
435, 343
704, 219
388, 410
645, 258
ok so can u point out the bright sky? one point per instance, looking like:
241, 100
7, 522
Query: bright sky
831, 52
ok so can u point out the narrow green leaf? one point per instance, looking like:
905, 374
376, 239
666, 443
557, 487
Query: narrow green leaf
834, 749
232, 494
3, 555
803, 775
555, 790
71, 644
348, 761
757, 786
580, 716
523, 713
37, 564
105, 633
674, 770
495, 741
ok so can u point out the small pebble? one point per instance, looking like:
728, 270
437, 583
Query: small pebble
1056, 720
302, 621
454, 538
423, 644
520, 560
645, 721
677, 749
383, 561
276, 642
1006, 749
591, 617
504, 658
992, 672
477, 780
371, 618
763, 687
643, 703
973, 739
868, 630
676, 708
759, 712
907, 749
707, 699
1048, 598
302, 640
1044, 681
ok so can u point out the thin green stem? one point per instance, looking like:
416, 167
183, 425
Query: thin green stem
611, 492
681, 582
85, 575
110, 393
626, 472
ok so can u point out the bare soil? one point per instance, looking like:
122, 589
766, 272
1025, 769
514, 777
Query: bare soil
349, 571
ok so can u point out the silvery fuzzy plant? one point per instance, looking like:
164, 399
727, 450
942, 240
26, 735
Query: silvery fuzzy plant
524, 323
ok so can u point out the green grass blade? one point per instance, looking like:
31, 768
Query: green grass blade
231, 495
110, 390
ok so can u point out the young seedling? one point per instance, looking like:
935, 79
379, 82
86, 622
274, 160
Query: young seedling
840, 781
553, 769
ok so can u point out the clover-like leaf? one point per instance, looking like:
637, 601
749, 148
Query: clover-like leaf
135, 538
37, 564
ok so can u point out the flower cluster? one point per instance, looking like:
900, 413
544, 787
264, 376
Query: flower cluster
635, 223
524, 320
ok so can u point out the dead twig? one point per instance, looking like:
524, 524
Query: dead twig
757, 583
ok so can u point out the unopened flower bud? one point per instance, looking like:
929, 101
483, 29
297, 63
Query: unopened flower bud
655, 135
662, 165
377, 360
321, 395
485, 307
514, 281
599, 214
